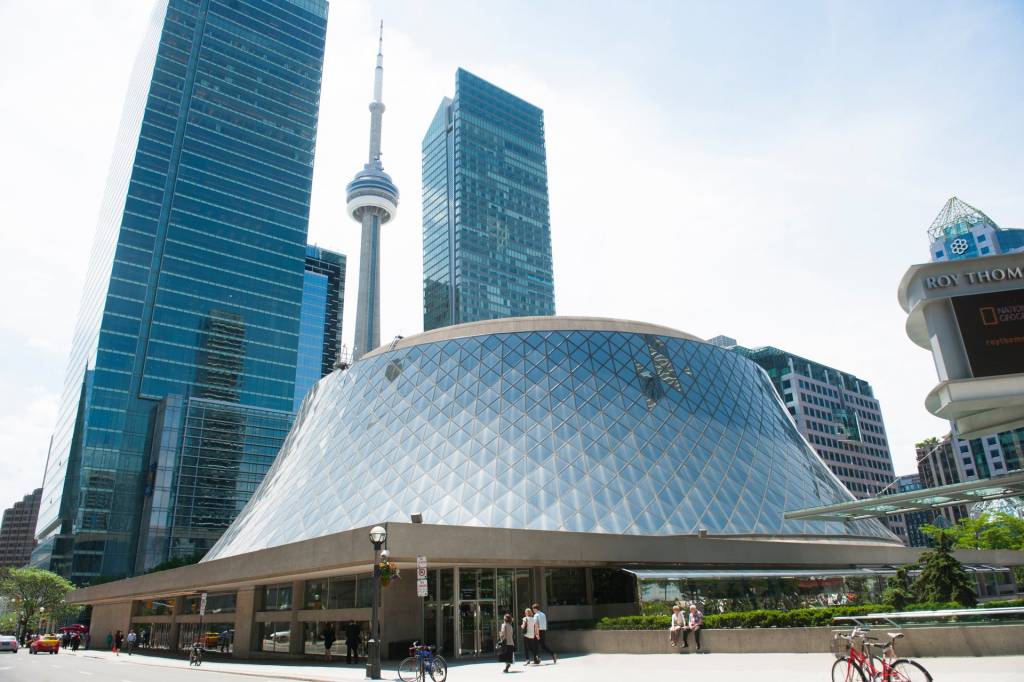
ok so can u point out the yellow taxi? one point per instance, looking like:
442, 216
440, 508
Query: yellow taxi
50, 643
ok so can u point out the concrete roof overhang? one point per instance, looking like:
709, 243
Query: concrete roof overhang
351, 552
997, 488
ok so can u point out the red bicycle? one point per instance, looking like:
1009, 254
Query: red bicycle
857, 665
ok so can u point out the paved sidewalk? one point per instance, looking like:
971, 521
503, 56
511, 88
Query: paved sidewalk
611, 667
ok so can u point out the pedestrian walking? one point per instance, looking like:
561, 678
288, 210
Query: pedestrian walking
676, 625
329, 638
695, 625
118, 641
542, 628
76, 639
507, 642
352, 637
144, 638
530, 636
132, 639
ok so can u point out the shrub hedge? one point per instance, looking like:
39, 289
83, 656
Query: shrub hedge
766, 618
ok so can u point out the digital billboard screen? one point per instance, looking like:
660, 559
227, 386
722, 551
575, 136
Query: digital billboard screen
992, 328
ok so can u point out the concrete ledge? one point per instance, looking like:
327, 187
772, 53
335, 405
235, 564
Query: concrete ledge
954, 640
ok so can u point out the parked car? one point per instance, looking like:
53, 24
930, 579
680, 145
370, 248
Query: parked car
50, 643
9, 643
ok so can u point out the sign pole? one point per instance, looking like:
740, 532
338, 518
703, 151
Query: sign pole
421, 592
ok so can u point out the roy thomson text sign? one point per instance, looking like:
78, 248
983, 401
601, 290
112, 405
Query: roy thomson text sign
986, 276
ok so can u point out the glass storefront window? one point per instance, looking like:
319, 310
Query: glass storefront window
154, 635
566, 586
486, 583
342, 593
313, 638
212, 636
277, 597
612, 586
725, 594
316, 594
215, 603
364, 592
468, 583
447, 584
274, 637
155, 607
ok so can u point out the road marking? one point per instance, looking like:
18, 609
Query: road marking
84, 673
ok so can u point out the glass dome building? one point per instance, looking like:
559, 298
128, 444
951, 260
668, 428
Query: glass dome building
596, 467
546, 423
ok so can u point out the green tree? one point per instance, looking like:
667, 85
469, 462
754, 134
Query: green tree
943, 578
897, 589
36, 595
176, 562
988, 531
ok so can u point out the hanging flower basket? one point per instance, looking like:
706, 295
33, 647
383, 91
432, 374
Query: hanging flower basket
388, 571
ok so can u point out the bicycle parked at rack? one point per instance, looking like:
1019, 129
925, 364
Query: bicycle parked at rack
859, 665
421, 664
195, 655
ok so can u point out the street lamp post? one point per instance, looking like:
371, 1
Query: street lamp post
378, 534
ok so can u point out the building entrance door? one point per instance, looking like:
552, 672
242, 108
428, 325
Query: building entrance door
477, 627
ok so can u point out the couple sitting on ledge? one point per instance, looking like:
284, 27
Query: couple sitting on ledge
679, 625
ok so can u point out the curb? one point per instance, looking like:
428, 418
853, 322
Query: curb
152, 661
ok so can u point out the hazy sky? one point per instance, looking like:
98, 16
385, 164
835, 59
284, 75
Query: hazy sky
764, 170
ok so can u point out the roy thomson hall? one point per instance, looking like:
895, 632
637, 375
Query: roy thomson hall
586, 464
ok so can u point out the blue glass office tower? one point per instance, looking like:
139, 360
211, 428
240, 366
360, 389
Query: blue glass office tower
323, 305
195, 282
486, 230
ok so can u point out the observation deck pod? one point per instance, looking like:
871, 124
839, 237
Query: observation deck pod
372, 189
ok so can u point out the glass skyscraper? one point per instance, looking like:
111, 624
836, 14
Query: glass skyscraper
195, 284
486, 230
323, 303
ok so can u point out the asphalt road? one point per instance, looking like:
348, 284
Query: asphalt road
69, 667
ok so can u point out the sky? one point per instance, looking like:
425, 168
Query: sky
762, 170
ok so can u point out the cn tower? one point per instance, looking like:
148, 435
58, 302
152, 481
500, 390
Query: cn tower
372, 201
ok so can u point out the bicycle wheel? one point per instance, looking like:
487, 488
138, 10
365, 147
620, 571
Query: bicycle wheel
845, 670
439, 669
408, 669
876, 669
905, 670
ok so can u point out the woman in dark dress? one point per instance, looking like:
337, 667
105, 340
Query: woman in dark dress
507, 641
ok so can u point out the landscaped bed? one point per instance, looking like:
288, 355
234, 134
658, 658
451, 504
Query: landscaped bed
766, 618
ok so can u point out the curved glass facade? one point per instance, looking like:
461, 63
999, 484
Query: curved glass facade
571, 430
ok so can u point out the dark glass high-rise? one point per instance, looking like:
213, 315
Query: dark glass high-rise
195, 283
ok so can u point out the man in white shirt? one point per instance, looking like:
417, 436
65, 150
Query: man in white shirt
542, 622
